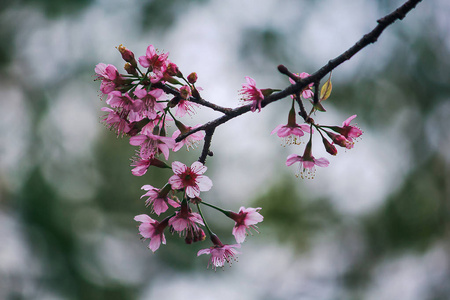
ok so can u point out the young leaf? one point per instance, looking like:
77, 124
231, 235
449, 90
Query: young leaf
325, 91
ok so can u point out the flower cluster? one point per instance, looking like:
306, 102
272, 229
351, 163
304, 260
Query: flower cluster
154, 94
343, 136
141, 104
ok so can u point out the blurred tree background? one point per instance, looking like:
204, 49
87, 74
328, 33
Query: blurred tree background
68, 198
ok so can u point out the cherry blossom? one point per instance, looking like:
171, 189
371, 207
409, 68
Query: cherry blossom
245, 219
252, 94
153, 230
185, 221
191, 140
152, 144
307, 162
291, 131
220, 253
108, 74
190, 178
158, 199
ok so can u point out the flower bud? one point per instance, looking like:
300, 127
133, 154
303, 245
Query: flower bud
172, 70
329, 147
192, 78
185, 92
127, 55
130, 69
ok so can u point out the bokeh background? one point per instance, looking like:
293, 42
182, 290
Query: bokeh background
373, 225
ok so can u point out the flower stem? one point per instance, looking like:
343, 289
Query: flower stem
204, 221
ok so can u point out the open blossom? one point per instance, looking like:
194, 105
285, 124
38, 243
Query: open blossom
220, 253
191, 140
307, 162
152, 144
252, 94
291, 131
185, 221
149, 99
108, 74
245, 219
190, 178
350, 131
158, 199
153, 230
115, 121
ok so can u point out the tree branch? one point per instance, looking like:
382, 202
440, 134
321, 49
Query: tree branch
367, 39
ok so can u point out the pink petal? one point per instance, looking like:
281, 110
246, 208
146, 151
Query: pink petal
239, 233
322, 162
293, 158
277, 128
204, 251
178, 167
176, 182
349, 119
203, 183
137, 140
144, 218
198, 168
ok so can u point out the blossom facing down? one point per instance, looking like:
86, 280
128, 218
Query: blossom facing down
190, 178
245, 219
220, 254
185, 222
291, 133
158, 199
252, 94
307, 162
153, 230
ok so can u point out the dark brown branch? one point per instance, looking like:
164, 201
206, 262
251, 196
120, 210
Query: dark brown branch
169, 90
206, 146
367, 39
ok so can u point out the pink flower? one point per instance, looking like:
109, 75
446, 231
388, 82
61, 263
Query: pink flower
190, 178
153, 230
307, 162
350, 131
220, 253
149, 99
152, 145
252, 94
158, 199
245, 219
141, 165
153, 60
191, 141
307, 92
291, 131
185, 106
185, 221
115, 121
108, 74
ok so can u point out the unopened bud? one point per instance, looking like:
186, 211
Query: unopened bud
329, 147
185, 92
130, 69
172, 70
192, 78
127, 55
